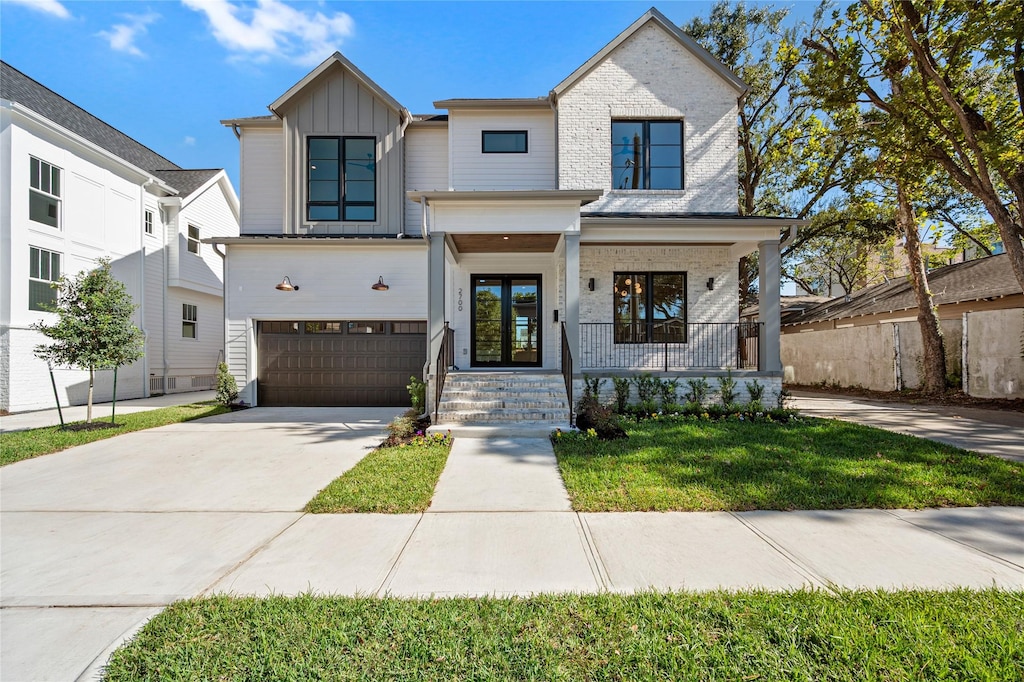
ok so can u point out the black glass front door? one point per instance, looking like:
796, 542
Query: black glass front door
506, 321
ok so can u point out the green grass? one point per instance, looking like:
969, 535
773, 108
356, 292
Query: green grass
391, 480
805, 464
891, 636
18, 445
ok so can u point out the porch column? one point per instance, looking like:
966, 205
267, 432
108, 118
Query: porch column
572, 294
769, 281
435, 296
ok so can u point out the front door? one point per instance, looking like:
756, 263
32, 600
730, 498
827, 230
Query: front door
506, 321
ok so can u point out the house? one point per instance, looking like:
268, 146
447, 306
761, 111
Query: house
872, 338
503, 249
75, 189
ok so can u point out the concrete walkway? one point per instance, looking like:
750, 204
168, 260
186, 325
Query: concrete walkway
99, 538
993, 432
73, 413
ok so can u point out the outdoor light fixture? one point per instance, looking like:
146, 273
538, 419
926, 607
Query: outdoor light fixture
711, 283
590, 284
379, 284
286, 285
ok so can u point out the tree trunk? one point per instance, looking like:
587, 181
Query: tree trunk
934, 361
88, 409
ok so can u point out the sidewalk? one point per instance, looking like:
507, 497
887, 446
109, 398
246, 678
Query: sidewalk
73, 413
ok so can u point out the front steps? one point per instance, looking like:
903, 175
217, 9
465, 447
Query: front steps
503, 403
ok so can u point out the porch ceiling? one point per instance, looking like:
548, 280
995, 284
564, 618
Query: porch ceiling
510, 243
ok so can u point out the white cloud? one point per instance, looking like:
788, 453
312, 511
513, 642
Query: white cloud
48, 6
275, 29
122, 36
190, 141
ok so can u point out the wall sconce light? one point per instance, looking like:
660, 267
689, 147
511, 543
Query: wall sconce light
379, 285
590, 284
286, 285
711, 283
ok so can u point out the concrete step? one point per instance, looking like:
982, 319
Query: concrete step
504, 398
503, 415
524, 429
478, 405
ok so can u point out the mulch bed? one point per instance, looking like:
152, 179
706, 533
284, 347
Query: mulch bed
94, 426
913, 397
394, 441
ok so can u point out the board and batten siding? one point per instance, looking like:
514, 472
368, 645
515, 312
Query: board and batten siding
262, 183
336, 103
426, 168
471, 169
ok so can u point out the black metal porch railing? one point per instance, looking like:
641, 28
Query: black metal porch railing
445, 359
704, 345
567, 373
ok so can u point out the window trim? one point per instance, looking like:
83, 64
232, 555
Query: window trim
190, 240
485, 133
648, 322
190, 322
34, 261
646, 151
343, 203
35, 187
147, 222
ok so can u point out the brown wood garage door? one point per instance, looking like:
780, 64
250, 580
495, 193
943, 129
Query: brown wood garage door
348, 363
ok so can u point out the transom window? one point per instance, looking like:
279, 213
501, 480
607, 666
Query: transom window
650, 307
189, 320
148, 222
342, 178
43, 268
193, 239
647, 154
504, 142
44, 195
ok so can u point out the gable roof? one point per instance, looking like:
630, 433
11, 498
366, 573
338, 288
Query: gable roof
975, 280
188, 181
659, 19
338, 58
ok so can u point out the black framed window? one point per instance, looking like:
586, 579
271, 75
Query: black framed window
148, 222
504, 142
44, 195
43, 269
342, 178
650, 307
647, 154
189, 320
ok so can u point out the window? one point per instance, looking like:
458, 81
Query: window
189, 319
148, 222
365, 327
44, 197
43, 268
193, 239
342, 181
503, 142
650, 307
324, 328
647, 154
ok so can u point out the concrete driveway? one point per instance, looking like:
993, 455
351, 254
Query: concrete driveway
100, 537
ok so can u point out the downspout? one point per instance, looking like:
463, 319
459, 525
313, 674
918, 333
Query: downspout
234, 129
789, 239
223, 301
142, 285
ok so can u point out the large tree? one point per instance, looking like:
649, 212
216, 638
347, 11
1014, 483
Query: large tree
94, 329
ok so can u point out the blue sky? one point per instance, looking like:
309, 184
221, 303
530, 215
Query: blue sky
166, 72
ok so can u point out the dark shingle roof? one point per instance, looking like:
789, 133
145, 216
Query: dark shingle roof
17, 87
974, 280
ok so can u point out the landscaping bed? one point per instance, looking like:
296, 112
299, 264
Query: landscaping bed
805, 635
735, 464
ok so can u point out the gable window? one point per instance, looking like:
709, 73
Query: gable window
44, 195
342, 178
647, 154
189, 320
503, 142
193, 239
148, 222
43, 268
650, 307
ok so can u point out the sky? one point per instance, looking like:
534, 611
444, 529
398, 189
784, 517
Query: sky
167, 72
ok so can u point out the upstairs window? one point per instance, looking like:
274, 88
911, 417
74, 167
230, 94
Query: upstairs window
44, 195
503, 142
647, 154
189, 320
650, 307
342, 179
43, 269
148, 222
193, 239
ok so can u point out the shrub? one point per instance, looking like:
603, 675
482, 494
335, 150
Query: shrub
646, 387
781, 397
756, 391
593, 416
402, 427
592, 386
417, 394
698, 392
621, 393
227, 387
667, 389
727, 389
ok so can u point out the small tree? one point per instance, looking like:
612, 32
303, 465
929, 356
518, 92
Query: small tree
95, 329
227, 387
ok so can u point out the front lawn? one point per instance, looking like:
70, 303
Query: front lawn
19, 445
960, 635
688, 465
398, 479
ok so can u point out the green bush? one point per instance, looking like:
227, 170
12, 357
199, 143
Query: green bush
227, 387
621, 393
699, 389
646, 387
417, 394
667, 390
592, 386
727, 389
756, 391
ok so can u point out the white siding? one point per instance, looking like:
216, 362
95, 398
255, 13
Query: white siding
426, 168
472, 169
479, 216
212, 214
198, 356
262, 183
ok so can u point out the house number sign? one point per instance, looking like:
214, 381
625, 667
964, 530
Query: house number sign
460, 299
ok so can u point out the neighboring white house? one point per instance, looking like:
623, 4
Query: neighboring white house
593, 230
73, 190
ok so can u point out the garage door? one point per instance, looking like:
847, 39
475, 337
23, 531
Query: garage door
348, 363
